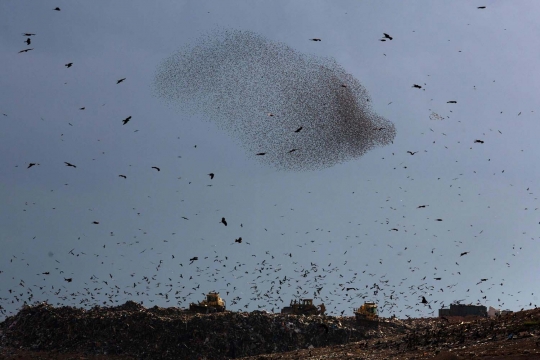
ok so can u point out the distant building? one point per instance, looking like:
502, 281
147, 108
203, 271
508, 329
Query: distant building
464, 310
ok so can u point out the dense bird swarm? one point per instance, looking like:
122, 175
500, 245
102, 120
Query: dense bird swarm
262, 92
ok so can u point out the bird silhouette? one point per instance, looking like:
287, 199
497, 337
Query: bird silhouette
126, 120
69, 164
464, 253
31, 164
119, 81
57, 9
155, 167
223, 221
25, 50
239, 240
424, 301
452, 102
479, 141
298, 130
123, 176
386, 36
315, 39
412, 152
481, 7
68, 65
211, 176
28, 41
260, 154
28, 34
417, 86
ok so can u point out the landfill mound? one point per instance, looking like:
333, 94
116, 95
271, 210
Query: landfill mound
171, 333
509, 337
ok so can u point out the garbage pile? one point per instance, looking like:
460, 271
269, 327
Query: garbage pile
451, 332
172, 333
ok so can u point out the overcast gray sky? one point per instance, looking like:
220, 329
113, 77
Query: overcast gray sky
329, 229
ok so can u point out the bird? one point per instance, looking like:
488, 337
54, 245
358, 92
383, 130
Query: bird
193, 259
211, 176
123, 176
464, 253
155, 167
386, 36
95, 222
31, 164
119, 81
69, 164
315, 39
223, 221
28, 41
481, 7
239, 240
57, 9
25, 50
68, 65
412, 152
82, 108
479, 141
68, 279
28, 34
126, 120
452, 102
424, 301
417, 86
437, 278
438, 219
421, 206
298, 130
260, 154
293, 150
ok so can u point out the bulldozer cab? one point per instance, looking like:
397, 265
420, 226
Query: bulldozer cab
307, 302
211, 298
371, 308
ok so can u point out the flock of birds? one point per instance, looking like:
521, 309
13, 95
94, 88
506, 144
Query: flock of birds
347, 103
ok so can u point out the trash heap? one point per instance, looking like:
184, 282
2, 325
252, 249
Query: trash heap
172, 333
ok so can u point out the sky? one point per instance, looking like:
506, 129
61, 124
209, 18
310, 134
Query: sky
346, 234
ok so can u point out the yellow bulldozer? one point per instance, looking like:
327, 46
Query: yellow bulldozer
367, 313
212, 303
304, 307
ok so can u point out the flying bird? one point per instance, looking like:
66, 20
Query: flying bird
293, 150
28, 41
95, 222
479, 141
155, 167
417, 86
31, 164
211, 176
239, 240
69, 164
452, 102
421, 206
438, 219
126, 120
298, 130
424, 301
57, 9
412, 152
25, 50
68, 65
123, 176
386, 36
223, 221
481, 7
119, 81
28, 34
315, 39
464, 253
260, 154
193, 259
